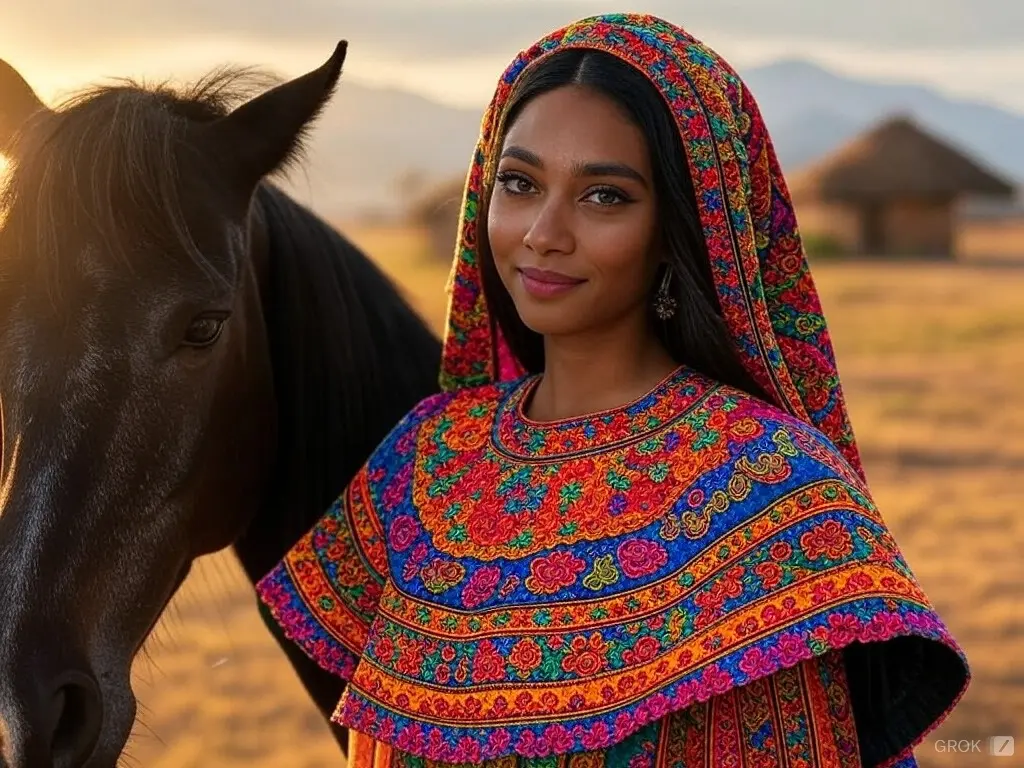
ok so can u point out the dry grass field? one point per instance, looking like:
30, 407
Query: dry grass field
932, 357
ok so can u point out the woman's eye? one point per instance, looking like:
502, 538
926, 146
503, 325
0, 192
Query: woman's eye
515, 184
607, 197
203, 331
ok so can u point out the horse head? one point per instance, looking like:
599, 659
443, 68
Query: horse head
137, 388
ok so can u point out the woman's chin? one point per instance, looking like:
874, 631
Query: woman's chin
549, 321
549, 317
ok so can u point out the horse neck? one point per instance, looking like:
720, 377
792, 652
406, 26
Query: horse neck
350, 357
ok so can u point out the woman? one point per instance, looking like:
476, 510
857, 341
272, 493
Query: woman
634, 529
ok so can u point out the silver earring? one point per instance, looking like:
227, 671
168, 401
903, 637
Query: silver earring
664, 303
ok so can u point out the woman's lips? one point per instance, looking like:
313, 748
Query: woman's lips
546, 284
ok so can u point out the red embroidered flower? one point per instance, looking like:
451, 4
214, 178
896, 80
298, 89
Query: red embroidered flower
770, 574
645, 650
758, 662
828, 539
467, 751
640, 557
586, 656
781, 551
410, 657
824, 592
383, 649
883, 626
440, 575
498, 742
747, 627
596, 737
554, 572
525, 656
843, 628
410, 738
481, 586
732, 582
819, 639
412, 566
710, 601
716, 680
558, 738
394, 491
488, 665
403, 532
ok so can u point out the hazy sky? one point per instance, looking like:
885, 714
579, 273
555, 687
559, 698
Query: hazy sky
455, 49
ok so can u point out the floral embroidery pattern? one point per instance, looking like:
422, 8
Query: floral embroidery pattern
743, 722
627, 471
535, 651
553, 573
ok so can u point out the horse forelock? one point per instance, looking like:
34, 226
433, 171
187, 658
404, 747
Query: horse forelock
102, 170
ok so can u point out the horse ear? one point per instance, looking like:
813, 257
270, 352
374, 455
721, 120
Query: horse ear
265, 133
18, 102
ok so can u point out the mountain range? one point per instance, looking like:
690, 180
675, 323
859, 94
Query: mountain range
370, 139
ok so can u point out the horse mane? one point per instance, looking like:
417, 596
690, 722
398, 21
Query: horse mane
350, 356
112, 147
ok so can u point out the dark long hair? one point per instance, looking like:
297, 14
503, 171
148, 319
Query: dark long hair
696, 335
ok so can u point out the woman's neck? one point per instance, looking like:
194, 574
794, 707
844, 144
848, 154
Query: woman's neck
590, 373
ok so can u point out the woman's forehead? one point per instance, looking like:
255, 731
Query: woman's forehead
577, 122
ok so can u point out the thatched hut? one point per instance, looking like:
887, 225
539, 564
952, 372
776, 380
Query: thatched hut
892, 191
437, 210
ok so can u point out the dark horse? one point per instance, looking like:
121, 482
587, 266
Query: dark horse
189, 359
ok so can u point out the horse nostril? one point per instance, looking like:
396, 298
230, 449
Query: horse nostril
78, 719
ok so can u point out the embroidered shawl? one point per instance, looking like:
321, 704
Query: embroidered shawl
496, 588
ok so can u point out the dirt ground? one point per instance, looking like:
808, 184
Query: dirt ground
932, 357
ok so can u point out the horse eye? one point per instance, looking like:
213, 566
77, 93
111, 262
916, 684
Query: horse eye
203, 331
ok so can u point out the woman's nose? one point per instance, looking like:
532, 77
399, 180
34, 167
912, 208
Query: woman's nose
551, 230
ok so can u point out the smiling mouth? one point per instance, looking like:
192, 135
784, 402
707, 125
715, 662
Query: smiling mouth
545, 284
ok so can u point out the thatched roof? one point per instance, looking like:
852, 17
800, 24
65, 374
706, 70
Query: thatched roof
896, 158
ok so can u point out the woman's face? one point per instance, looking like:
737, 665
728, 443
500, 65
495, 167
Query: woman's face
572, 219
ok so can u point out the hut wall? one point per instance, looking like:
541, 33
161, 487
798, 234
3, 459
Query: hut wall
918, 228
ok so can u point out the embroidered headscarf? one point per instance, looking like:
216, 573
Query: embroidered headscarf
760, 270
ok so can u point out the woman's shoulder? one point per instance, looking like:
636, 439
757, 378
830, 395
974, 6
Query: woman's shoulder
474, 404
792, 435
449, 403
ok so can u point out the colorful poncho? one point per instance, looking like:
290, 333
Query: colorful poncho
698, 578
493, 586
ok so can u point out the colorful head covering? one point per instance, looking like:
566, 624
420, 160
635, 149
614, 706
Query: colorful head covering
761, 274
